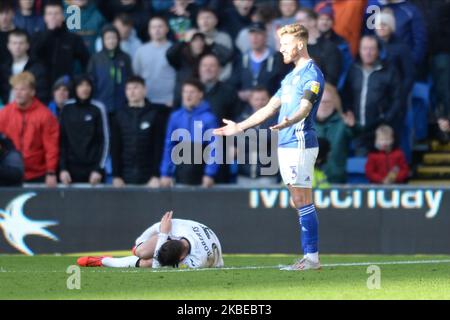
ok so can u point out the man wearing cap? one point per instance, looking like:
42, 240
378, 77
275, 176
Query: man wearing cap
260, 66
325, 23
61, 94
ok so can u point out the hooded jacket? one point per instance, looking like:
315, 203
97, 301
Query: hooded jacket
110, 71
35, 133
194, 123
84, 134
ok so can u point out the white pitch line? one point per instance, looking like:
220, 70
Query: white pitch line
329, 265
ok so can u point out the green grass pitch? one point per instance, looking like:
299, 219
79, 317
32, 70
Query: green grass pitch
245, 277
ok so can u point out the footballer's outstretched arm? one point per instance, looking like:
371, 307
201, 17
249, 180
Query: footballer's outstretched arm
302, 112
255, 119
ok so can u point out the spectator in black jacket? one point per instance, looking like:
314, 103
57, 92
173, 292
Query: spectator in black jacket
137, 138
261, 66
58, 49
110, 68
373, 92
11, 163
222, 98
185, 57
18, 46
324, 52
84, 136
139, 10
6, 26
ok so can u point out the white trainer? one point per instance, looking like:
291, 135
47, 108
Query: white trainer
303, 264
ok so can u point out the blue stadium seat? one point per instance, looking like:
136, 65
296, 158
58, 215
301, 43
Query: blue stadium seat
356, 170
417, 118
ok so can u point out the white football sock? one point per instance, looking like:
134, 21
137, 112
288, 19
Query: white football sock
314, 257
126, 262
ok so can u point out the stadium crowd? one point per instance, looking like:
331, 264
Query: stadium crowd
97, 103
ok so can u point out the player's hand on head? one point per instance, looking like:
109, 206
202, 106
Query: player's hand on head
231, 128
166, 222
283, 124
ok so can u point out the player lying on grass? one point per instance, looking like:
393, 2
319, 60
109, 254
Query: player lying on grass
171, 242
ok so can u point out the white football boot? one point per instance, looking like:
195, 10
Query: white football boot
303, 264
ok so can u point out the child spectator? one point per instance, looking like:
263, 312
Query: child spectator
387, 164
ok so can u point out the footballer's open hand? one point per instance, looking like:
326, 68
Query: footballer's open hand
283, 124
231, 128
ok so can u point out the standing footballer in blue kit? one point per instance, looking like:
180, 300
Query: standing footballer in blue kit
297, 102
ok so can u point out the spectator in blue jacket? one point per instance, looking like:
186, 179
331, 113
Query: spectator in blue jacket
110, 69
410, 26
394, 51
61, 94
192, 120
26, 19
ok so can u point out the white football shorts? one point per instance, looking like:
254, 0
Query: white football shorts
297, 166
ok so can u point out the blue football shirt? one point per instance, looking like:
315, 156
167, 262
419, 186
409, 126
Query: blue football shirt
302, 134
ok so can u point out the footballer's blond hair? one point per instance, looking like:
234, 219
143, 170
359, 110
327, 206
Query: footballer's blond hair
25, 77
295, 29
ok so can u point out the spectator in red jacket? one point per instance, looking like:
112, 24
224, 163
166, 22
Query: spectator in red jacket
387, 164
33, 129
